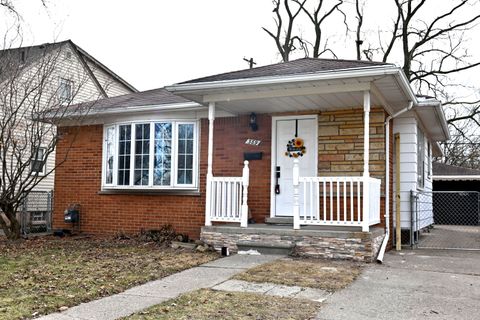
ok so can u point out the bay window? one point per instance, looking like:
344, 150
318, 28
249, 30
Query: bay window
154, 154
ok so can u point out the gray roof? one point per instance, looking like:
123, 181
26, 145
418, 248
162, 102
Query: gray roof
153, 97
295, 67
24, 56
442, 169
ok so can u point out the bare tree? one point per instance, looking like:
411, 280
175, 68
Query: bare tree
30, 97
433, 50
429, 39
320, 13
283, 35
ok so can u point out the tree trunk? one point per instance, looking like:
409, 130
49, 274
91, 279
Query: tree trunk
10, 224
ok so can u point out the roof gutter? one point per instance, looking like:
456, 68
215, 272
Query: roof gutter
187, 106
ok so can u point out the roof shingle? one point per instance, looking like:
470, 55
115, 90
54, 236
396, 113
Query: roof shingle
139, 99
295, 67
442, 169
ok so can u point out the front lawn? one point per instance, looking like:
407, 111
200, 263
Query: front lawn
206, 304
43, 275
329, 275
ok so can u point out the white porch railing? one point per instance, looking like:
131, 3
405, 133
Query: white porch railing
227, 198
374, 201
336, 201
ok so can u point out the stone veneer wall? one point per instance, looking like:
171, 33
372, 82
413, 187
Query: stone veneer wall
346, 245
340, 143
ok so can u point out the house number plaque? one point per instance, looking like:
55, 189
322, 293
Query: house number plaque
253, 142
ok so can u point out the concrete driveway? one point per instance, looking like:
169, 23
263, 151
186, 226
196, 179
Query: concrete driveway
419, 284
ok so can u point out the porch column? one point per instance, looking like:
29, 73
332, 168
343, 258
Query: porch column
211, 118
366, 159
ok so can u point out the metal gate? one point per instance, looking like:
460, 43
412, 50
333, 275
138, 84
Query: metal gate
446, 220
36, 214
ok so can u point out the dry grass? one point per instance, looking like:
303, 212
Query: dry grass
208, 304
314, 273
40, 276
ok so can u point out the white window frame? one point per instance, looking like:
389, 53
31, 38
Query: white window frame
44, 168
173, 182
195, 154
429, 160
421, 176
104, 161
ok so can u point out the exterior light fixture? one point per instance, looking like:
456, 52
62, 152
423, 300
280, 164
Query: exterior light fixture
253, 121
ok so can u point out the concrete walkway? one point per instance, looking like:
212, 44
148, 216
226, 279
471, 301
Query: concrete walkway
138, 298
418, 284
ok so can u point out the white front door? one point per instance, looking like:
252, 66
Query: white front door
284, 129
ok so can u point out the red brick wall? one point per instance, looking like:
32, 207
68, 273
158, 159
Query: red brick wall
78, 180
229, 146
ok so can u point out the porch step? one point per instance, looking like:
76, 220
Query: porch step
279, 220
266, 247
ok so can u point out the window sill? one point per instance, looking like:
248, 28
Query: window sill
150, 192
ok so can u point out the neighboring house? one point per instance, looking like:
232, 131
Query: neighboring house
453, 178
70, 76
456, 195
318, 134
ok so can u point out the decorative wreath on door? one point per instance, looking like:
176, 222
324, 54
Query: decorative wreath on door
295, 148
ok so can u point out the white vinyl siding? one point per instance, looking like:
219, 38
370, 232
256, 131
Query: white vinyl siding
414, 161
111, 86
406, 126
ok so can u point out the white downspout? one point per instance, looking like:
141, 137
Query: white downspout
381, 252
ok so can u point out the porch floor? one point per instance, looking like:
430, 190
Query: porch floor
268, 228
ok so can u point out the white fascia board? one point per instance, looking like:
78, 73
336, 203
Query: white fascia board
277, 93
187, 106
326, 75
439, 114
458, 178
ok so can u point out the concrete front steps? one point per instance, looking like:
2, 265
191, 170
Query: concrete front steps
330, 242
279, 221
265, 247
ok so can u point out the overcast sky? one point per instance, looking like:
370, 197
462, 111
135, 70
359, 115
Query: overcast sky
156, 43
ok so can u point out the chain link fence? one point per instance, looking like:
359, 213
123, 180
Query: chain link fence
444, 220
36, 214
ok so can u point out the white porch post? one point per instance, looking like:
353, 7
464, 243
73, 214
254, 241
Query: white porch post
208, 202
366, 159
296, 195
245, 183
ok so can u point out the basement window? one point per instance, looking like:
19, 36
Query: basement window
151, 155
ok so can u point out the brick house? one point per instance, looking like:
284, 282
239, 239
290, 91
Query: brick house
277, 156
